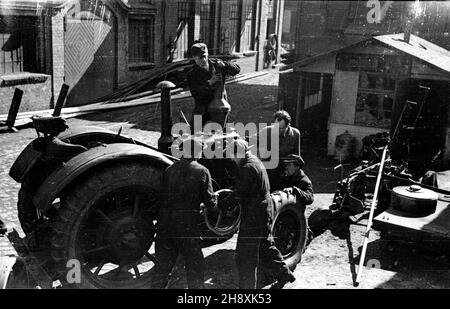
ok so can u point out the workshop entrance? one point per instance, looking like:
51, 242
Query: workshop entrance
423, 130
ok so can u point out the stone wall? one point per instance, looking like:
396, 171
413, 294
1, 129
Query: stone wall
35, 96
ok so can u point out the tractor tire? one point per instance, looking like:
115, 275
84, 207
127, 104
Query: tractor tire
26, 210
100, 204
289, 227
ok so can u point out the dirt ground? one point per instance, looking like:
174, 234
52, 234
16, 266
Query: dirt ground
328, 262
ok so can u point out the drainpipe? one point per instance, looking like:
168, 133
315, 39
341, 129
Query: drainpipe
258, 38
163, 47
166, 139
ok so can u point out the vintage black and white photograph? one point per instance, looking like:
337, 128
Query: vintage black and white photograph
224, 145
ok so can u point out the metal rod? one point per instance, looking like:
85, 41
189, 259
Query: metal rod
184, 118
14, 108
61, 100
369, 223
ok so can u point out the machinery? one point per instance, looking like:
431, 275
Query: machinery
413, 200
91, 195
411, 206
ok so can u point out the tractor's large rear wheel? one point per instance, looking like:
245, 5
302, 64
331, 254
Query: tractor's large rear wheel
289, 227
106, 227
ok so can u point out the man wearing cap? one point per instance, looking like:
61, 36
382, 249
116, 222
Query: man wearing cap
203, 77
186, 184
253, 191
296, 181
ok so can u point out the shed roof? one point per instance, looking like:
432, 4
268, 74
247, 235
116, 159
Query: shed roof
421, 49
417, 47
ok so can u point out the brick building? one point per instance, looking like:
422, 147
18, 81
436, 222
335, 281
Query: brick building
96, 46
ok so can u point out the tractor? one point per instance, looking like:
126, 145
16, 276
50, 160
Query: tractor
92, 195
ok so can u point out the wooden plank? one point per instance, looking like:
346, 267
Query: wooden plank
69, 112
14, 108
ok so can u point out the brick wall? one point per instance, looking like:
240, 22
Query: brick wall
35, 97
57, 25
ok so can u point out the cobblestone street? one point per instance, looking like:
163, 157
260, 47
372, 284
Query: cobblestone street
327, 263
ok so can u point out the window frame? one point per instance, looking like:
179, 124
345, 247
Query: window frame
312, 99
145, 63
379, 92
25, 58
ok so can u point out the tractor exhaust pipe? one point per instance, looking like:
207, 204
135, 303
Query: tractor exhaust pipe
166, 139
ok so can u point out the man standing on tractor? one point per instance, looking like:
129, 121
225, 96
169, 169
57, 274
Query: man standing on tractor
203, 78
253, 191
186, 184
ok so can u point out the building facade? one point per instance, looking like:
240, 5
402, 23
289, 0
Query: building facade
97, 46
326, 25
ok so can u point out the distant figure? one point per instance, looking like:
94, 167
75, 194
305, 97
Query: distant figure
171, 49
270, 51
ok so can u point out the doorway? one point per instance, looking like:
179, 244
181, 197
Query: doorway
90, 52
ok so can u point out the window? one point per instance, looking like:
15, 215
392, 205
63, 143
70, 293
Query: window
389, 64
313, 89
141, 40
18, 44
235, 20
247, 35
375, 100
207, 10
184, 11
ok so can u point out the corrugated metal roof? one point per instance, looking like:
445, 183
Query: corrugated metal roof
422, 49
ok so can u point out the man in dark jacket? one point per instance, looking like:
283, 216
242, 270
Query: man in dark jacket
288, 143
203, 77
186, 184
295, 180
253, 191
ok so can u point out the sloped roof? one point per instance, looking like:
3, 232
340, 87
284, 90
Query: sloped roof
423, 50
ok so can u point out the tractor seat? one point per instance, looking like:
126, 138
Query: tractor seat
50, 125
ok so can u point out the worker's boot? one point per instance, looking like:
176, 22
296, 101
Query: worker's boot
285, 277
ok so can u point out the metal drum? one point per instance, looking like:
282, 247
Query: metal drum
414, 200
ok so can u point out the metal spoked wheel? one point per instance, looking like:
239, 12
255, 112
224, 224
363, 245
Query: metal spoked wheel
115, 238
287, 231
107, 224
